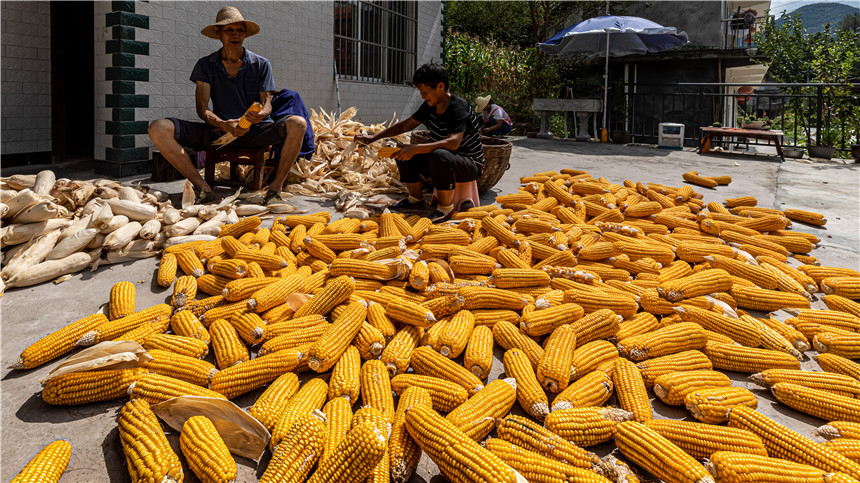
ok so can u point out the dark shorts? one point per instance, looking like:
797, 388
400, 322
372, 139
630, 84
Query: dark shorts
444, 167
199, 135
504, 129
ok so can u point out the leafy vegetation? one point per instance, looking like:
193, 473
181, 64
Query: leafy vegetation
815, 16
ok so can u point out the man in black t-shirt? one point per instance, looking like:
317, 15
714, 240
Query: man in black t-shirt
454, 153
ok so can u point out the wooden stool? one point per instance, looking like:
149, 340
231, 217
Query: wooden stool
258, 157
467, 191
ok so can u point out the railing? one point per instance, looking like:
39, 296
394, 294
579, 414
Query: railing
740, 35
802, 112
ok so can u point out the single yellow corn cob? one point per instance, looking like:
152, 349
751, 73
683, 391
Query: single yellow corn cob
206, 453
325, 352
746, 359
673, 387
809, 217
766, 300
376, 388
458, 457
682, 361
658, 455
477, 416
250, 327
185, 289
630, 390
714, 404
590, 356
454, 337
786, 444
48, 465
109, 330
839, 429
398, 353
338, 414
530, 395
294, 457
404, 453
307, 401
155, 388
188, 346
335, 292
824, 381
270, 405
848, 287
345, 377
491, 298
58, 342
622, 303
178, 366
731, 467
839, 365
229, 349
89, 387
697, 284
293, 338
275, 294
542, 322
527, 434
664, 341
739, 330
592, 389
641, 323
554, 368
147, 451
427, 362
586, 426
821, 404
167, 270
247, 376
445, 394
121, 300
355, 457
702, 440
537, 467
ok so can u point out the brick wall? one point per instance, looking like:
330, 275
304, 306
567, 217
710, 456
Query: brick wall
26, 72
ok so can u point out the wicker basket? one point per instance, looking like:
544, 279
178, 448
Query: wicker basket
497, 156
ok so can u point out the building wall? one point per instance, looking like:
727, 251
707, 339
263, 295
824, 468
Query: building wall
26, 74
701, 20
296, 37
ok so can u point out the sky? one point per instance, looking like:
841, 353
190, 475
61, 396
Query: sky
777, 6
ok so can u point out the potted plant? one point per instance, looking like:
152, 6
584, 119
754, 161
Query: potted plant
827, 146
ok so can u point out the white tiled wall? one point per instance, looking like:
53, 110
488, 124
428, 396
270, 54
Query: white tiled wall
26, 74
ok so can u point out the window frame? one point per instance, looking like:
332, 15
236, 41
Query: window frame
405, 58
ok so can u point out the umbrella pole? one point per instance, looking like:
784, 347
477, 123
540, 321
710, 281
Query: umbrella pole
604, 134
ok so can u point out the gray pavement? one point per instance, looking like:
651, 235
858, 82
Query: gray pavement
30, 313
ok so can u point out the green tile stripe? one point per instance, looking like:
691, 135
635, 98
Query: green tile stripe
122, 157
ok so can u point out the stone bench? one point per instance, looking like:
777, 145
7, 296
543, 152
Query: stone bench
581, 108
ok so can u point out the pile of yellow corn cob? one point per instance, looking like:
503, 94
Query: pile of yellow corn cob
592, 289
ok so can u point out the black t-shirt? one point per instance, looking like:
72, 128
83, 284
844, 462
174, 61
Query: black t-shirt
456, 118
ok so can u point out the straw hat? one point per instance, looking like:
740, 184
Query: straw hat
481, 103
226, 16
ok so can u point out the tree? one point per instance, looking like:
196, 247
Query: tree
850, 23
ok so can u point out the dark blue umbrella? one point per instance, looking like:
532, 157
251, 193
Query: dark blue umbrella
613, 36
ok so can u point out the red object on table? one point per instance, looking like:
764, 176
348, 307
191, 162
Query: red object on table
710, 133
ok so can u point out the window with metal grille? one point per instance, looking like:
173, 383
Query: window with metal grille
375, 41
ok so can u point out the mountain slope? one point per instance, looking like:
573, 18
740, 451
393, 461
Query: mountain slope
815, 16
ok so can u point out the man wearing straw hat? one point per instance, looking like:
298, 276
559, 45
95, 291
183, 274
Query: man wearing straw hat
234, 78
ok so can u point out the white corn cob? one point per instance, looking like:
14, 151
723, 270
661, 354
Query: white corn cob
182, 228
50, 270
150, 229
122, 236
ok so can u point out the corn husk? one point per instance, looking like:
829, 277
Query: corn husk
251, 210
228, 201
73, 244
44, 183
190, 211
4, 209
101, 217
82, 223
37, 252
106, 193
97, 242
134, 211
20, 181
159, 196
113, 355
118, 221
232, 217
150, 229
84, 195
122, 236
160, 240
139, 245
212, 226
243, 434
188, 197
17, 234
184, 227
39, 211
95, 256
92, 206
6, 195
24, 199
170, 216
130, 194
49, 270
176, 240
207, 212
118, 256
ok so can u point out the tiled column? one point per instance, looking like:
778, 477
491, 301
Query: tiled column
122, 157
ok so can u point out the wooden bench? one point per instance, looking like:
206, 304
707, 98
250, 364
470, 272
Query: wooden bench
710, 133
258, 157
580, 107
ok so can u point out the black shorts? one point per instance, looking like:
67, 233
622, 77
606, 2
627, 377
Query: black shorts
444, 167
200, 135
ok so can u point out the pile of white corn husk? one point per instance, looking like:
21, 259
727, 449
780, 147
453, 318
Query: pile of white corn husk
55, 227
340, 165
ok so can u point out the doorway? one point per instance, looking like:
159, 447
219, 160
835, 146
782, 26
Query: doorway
72, 81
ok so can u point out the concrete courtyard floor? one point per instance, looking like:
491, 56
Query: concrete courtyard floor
28, 424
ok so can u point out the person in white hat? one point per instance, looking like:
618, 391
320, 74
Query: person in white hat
496, 120
233, 78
